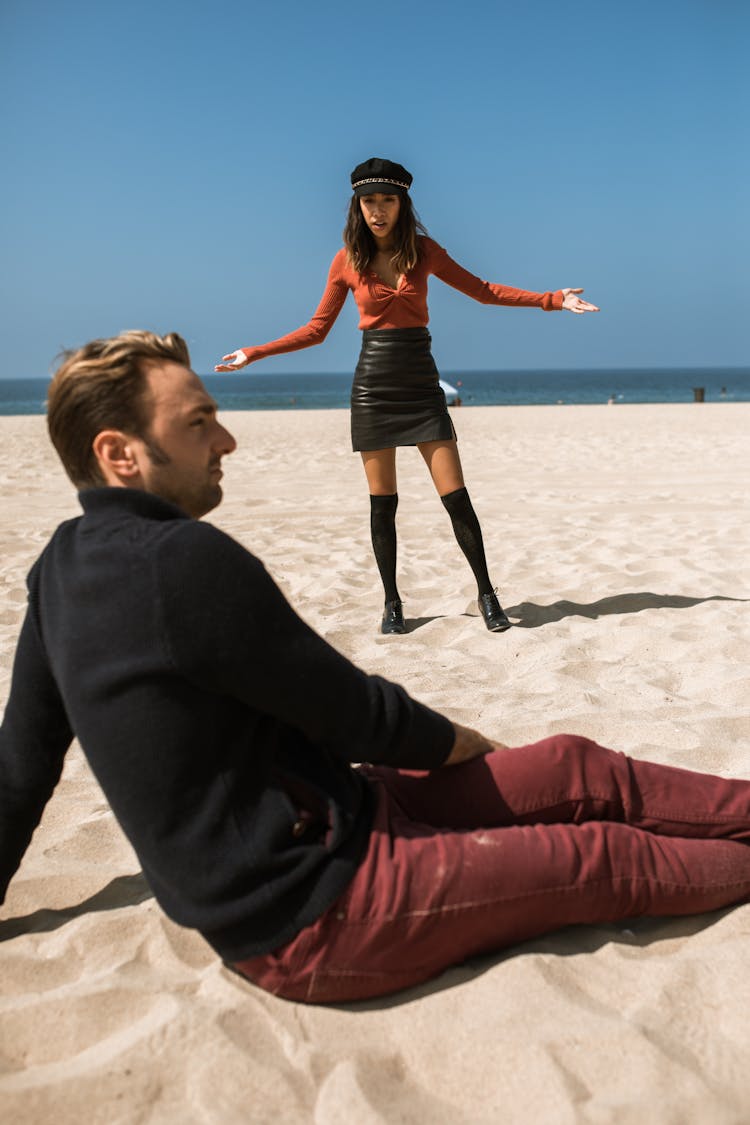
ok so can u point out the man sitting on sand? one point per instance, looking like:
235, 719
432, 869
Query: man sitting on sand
223, 729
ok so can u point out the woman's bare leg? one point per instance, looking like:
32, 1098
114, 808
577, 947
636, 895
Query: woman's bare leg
444, 463
380, 470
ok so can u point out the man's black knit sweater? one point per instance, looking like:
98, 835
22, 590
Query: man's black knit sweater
220, 727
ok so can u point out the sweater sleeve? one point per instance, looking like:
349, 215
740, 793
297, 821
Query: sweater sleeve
486, 292
231, 630
316, 329
34, 737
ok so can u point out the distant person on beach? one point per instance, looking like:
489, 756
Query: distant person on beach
396, 398
224, 731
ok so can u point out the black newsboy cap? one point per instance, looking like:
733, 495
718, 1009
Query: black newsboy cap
380, 175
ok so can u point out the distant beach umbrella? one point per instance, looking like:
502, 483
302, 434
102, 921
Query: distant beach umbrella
451, 394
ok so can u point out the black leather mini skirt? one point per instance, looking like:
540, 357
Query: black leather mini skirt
396, 394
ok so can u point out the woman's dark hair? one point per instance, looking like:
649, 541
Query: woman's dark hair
360, 245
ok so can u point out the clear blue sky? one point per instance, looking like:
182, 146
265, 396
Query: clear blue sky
185, 166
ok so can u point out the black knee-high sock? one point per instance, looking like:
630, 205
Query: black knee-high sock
469, 535
383, 531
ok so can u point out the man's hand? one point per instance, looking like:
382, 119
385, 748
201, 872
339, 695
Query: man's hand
470, 744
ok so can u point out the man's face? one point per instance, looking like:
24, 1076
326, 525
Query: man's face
180, 456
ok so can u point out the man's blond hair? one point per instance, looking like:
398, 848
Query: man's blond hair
102, 386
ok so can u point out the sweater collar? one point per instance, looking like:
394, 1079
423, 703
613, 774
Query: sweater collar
95, 501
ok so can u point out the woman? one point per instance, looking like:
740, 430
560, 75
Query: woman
396, 397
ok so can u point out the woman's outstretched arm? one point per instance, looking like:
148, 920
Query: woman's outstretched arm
314, 332
489, 293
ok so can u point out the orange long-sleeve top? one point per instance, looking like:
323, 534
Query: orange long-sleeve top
380, 306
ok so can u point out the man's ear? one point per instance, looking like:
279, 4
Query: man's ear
117, 457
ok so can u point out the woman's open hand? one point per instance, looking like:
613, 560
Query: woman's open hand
573, 303
232, 362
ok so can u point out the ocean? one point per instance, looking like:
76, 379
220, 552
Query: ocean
247, 391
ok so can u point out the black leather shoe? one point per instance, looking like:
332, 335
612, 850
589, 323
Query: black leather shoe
493, 613
393, 618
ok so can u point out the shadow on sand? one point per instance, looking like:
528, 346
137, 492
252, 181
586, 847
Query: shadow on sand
529, 615
634, 934
532, 616
125, 890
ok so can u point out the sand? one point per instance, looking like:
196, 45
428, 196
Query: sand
618, 538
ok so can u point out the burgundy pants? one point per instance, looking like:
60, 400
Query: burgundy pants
472, 858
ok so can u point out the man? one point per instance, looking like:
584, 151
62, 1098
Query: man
223, 730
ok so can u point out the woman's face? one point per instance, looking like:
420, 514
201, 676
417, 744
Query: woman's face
381, 214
